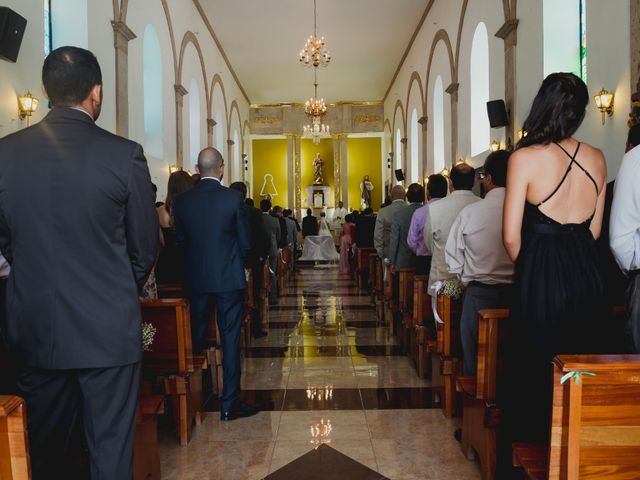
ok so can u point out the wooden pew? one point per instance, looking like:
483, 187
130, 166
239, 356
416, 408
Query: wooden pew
595, 424
445, 358
362, 268
422, 336
481, 413
171, 359
14, 442
373, 276
283, 269
405, 305
264, 293
146, 455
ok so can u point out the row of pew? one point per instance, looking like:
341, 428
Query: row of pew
595, 425
172, 380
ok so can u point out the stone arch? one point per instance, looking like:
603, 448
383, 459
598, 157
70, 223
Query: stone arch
441, 36
246, 129
415, 78
167, 14
403, 117
189, 37
234, 106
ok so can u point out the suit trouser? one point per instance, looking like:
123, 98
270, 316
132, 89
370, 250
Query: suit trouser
477, 296
229, 307
257, 270
273, 267
632, 328
103, 399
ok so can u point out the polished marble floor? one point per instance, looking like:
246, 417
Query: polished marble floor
329, 372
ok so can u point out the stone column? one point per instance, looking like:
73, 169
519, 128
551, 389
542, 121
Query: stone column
231, 173
122, 35
180, 93
508, 33
211, 123
344, 181
297, 169
424, 123
635, 41
290, 169
452, 90
337, 169
404, 164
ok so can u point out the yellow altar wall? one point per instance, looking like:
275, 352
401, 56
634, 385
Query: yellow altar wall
270, 157
308, 152
363, 158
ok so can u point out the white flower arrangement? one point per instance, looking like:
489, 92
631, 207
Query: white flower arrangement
148, 334
451, 288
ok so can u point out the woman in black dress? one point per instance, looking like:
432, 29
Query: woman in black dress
552, 215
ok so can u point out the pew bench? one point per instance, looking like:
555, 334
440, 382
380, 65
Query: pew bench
595, 423
481, 413
405, 305
14, 442
171, 360
362, 267
422, 336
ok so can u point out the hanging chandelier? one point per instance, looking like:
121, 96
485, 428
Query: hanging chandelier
314, 53
315, 107
316, 130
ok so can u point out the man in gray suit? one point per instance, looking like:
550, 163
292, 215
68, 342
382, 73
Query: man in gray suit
272, 228
400, 255
382, 232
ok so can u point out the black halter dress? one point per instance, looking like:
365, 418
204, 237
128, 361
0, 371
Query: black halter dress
558, 309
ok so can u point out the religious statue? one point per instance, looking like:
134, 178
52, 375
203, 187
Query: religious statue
365, 192
317, 170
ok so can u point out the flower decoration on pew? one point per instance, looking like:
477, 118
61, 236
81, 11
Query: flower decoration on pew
451, 288
575, 374
148, 334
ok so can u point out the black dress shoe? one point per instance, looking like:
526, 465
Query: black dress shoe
260, 334
458, 434
242, 410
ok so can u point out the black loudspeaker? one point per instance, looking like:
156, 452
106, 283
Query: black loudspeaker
12, 28
399, 175
497, 113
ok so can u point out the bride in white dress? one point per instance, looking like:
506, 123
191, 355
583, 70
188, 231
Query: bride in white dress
323, 227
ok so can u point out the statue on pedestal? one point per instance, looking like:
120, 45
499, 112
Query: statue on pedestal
365, 192
317, 170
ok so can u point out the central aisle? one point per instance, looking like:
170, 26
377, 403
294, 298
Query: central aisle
328, 372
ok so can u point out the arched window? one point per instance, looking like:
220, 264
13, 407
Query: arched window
194, 123
220, 133
237, 169
415, 154
479, 82
152, 93
47, 27
398, 152
438, 125
69, 23
565, 39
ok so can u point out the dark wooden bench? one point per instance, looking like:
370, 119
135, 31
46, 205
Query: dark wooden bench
171, 359
405, 305
481, 412
14, 442
362, 266
595, 423
146, 455
373, 280
422, 337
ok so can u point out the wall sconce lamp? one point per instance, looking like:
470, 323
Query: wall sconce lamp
389, 160
521, 133
27, 104
604, 102
174, 169
445, 173
494, 146
246, 162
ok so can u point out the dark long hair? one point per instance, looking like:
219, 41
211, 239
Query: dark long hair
557, 110
179, 182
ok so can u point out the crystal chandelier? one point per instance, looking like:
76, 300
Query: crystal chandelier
314, 53
316, 130
315, 107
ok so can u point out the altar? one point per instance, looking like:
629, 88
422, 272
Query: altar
319, 248
318, 196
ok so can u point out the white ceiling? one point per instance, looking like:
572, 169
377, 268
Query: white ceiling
366, 38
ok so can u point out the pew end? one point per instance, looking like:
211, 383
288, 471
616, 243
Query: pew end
14, 442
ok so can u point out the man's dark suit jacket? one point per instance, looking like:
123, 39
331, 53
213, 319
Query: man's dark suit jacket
79, 227
214, 233
284, 232
309, 226
365, 227
259, 238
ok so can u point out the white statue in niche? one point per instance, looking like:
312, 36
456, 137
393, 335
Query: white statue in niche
268, 189
366, 186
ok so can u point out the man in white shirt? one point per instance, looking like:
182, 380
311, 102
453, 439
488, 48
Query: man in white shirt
442, 214
340, 213
624, 231
474, 251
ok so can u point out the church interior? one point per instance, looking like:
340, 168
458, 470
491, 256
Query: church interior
360, 373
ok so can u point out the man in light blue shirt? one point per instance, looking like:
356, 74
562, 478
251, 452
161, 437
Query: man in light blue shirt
624, 230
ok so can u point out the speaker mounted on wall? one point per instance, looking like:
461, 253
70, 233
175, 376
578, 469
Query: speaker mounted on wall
12, 26
497, 111
399, 175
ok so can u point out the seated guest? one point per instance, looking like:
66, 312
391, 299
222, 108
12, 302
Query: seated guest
309, 224
258, 254
474, 251
442, 214
339, 213
272, 229
437, 187
382, 233
277, 214
250, 202
170, 265
365, 228
400, 255
292, 236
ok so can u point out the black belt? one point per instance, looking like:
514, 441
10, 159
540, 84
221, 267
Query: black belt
491, 286
633, 273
